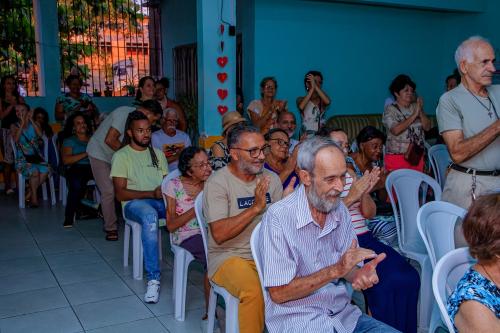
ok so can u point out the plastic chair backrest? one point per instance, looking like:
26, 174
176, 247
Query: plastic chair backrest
254, 245
14, 148
436, 223
440, 160
403, 187
198, 209
448, 271
54, 145
171, 175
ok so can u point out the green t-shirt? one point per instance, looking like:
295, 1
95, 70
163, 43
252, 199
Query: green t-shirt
97, 148
77, 147
136, 166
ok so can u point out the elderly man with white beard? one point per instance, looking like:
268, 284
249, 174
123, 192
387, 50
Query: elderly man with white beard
308, 244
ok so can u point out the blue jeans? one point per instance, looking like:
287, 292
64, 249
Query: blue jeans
147, 212
369, 325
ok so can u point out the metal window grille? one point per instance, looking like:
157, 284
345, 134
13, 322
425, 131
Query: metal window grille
17, 44
111, 44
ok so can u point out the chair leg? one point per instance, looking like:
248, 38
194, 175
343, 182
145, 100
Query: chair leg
426, 298
137, 251
44, 191
180, 284
160, 249
21, 190
52, 191
126, 244
174, 281
212, 304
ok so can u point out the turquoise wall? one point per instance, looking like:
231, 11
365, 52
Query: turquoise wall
359, 49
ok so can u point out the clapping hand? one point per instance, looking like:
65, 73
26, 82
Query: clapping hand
352, 257
261, 188
366, 276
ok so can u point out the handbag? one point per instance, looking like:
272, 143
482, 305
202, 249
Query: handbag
415, 150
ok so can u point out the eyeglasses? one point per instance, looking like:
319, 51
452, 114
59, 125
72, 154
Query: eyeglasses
281, 142
203, 165
255, 152
269, 87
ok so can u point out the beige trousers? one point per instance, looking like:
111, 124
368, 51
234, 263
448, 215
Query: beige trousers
102, 171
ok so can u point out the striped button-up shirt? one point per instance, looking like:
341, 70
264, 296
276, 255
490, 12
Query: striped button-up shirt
293, 245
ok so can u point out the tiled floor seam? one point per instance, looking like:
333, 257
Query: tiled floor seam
34, 312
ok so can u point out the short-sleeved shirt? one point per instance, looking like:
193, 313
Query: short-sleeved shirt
288, 179
459, 110
474, 287
170, 145
117, 119
293, 245
395, 114
226, 195
137, 167
77, 147
183, 202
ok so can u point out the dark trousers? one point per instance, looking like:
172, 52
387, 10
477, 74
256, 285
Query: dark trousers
77, 177
394, 299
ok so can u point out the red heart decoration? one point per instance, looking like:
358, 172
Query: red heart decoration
222, 77
221, 30
222, 109
222, 93
222, 61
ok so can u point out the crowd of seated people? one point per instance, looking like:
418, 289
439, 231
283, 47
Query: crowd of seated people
323, 206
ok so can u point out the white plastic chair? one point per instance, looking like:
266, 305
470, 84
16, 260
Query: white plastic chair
182, 259
254, 245
440, 160
403, 187
436, 224
137, 250
231, 302
448, 271
22, 181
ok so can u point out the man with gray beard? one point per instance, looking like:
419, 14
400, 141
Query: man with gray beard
307, 243
234, 199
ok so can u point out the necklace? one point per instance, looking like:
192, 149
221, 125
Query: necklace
490, 113
488, 274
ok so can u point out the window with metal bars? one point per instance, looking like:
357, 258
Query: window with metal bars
111, 44
17, 44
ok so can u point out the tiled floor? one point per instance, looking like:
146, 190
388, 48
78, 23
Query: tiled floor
58, 280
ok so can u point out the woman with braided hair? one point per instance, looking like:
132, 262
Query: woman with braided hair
137, 170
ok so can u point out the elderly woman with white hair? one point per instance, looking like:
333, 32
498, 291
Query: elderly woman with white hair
169, 139
469, 121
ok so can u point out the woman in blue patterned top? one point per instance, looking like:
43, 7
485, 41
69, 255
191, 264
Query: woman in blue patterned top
75, 101
474, 306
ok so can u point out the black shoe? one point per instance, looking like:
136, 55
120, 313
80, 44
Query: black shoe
68, 224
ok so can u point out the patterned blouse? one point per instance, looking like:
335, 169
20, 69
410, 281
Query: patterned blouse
219, 162
183, 202
69, 103
393, 115
474, 286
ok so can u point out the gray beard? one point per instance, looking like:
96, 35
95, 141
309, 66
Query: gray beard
248, 168
322, 204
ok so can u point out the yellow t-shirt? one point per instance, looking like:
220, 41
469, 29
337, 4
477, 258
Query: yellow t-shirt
137, 167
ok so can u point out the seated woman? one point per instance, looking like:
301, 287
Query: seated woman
29, 160
278, 158
370, 143
405, 121
394, 299
264, 112
219, 152
180, 194
75, 101
77, 165
474, 306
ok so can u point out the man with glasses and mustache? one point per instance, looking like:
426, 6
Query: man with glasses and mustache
169, 139
307, 243
234, 199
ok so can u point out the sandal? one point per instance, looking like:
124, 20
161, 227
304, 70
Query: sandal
112, 235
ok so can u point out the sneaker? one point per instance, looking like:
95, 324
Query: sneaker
68, 224
153, 292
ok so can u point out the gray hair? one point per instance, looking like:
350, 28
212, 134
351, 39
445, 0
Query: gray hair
465, 50
306, 159
171, 111
233, 139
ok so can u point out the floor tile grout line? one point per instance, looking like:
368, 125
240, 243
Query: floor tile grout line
34, 312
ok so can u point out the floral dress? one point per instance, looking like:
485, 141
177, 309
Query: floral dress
474, 287
183, 202
29, 145
69, 103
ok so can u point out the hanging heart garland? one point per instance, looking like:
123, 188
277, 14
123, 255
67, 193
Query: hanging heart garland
222, 77
222, 109
222, 61
222, 93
